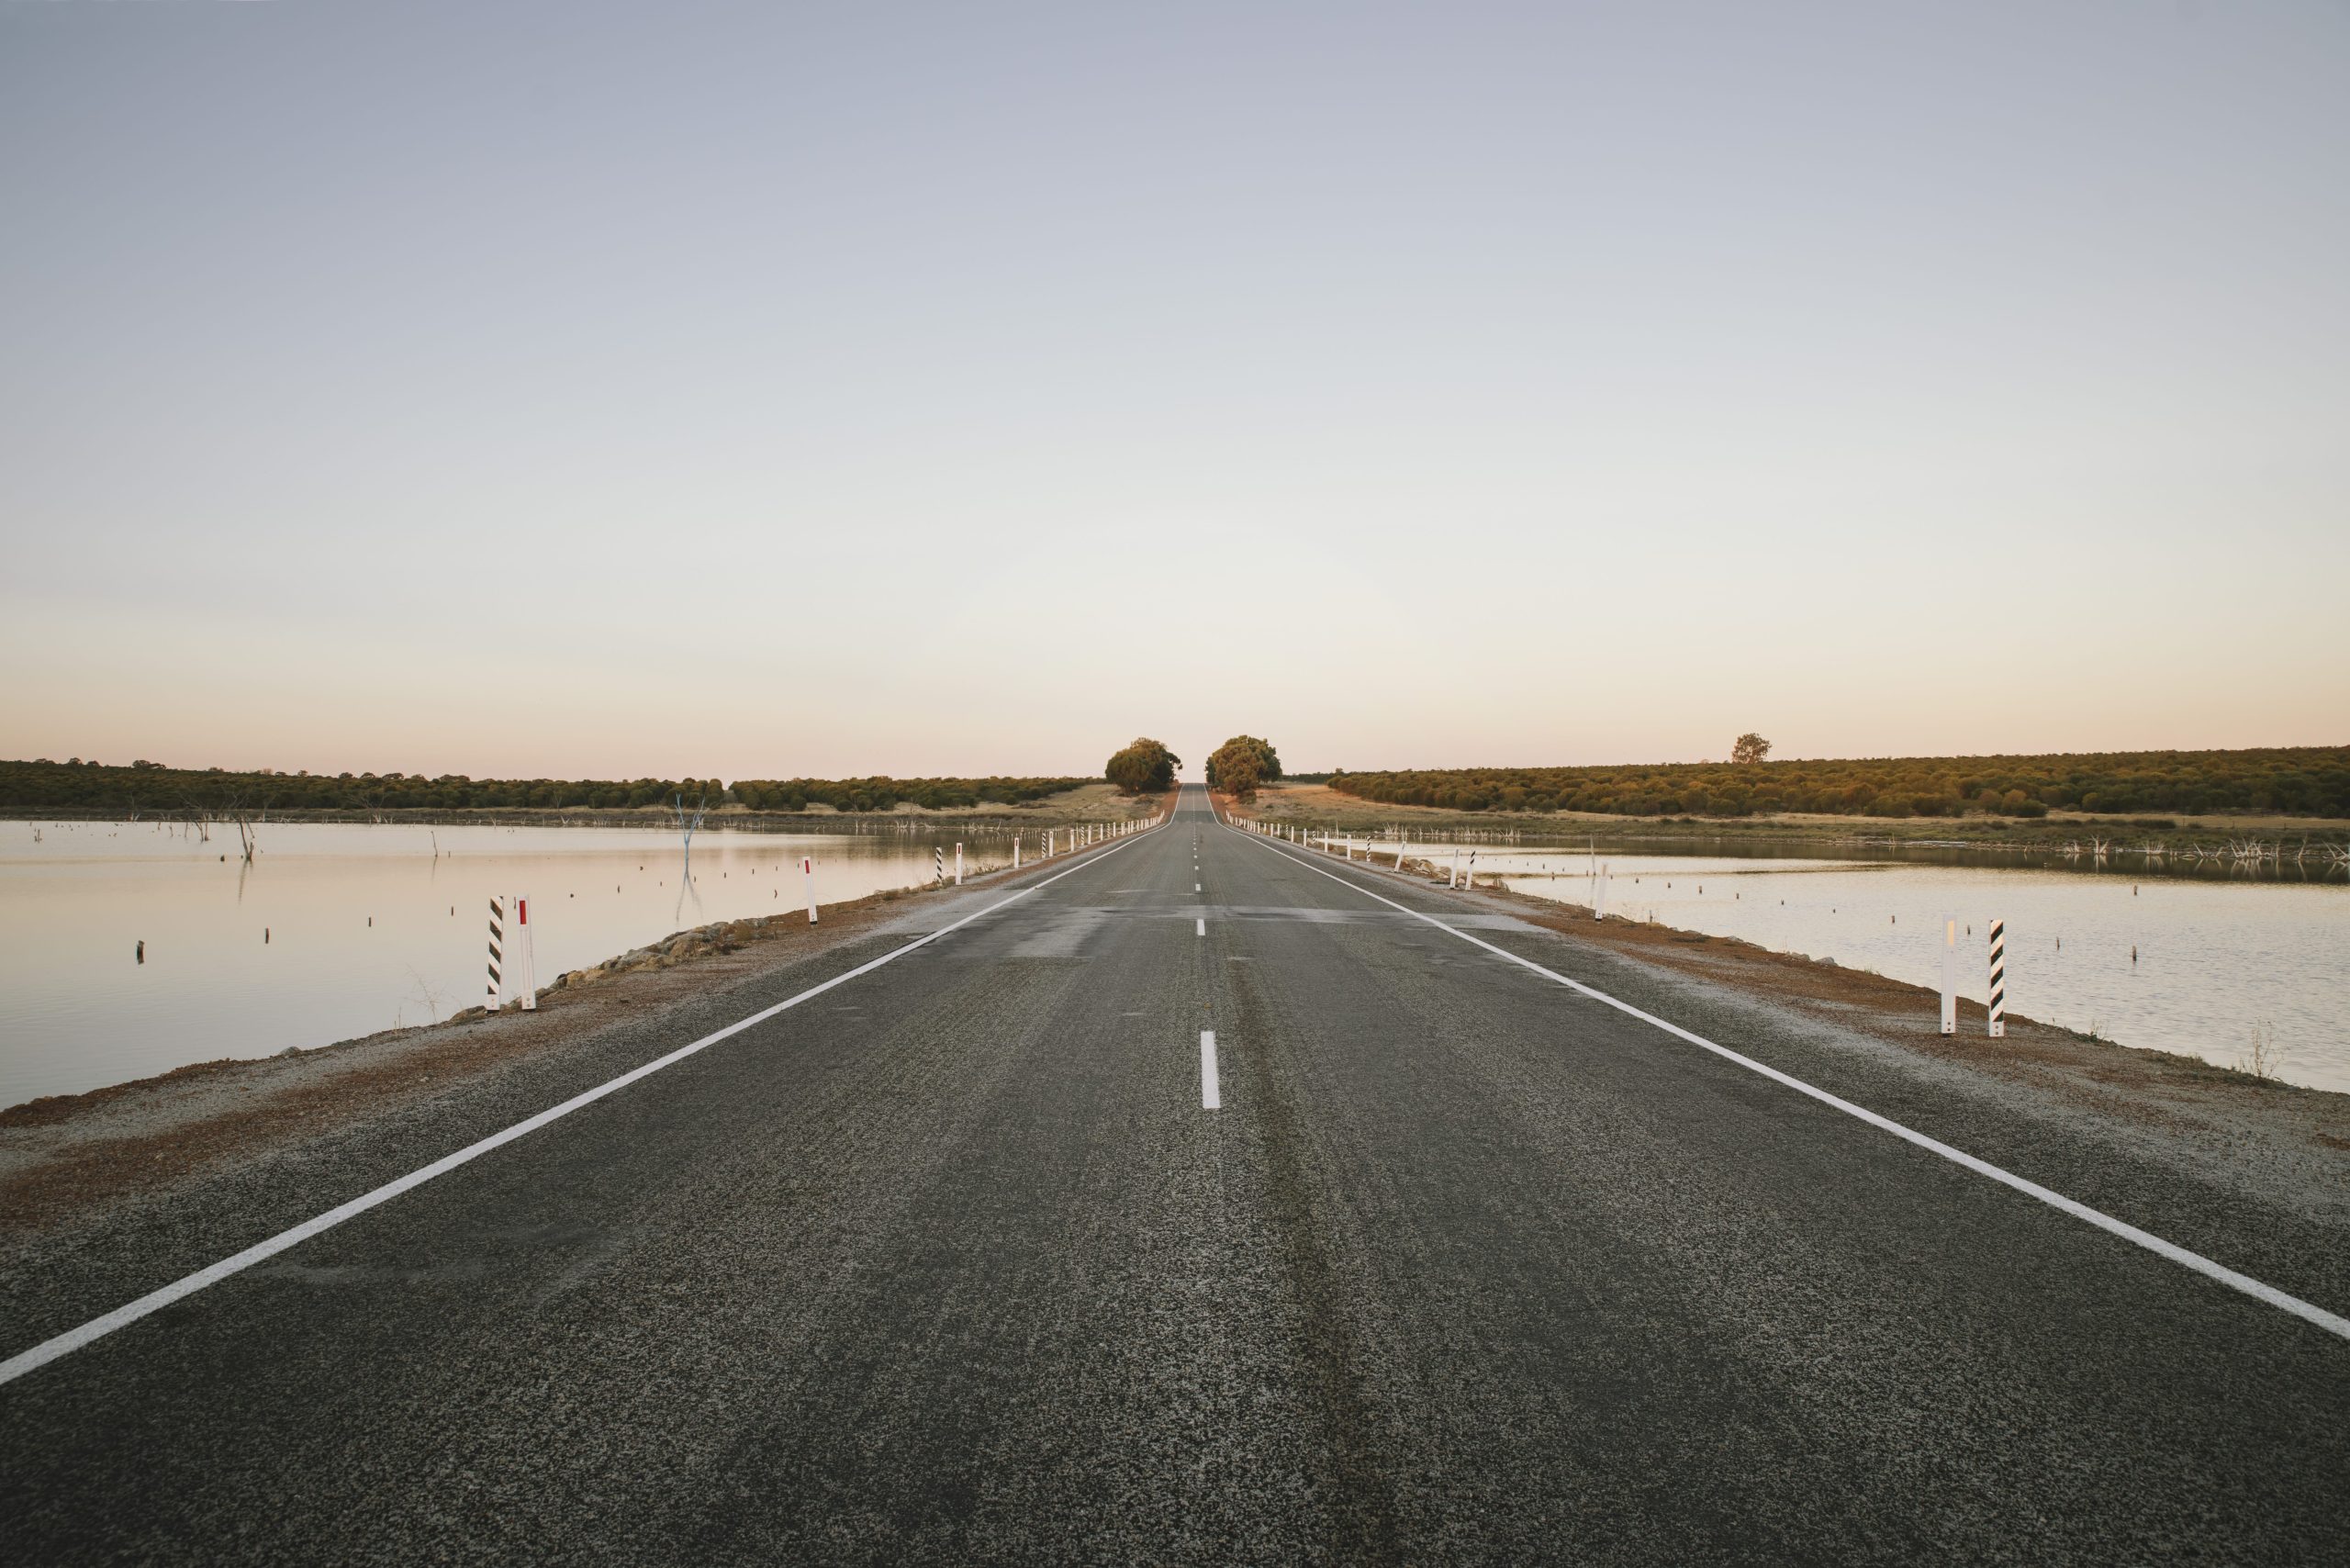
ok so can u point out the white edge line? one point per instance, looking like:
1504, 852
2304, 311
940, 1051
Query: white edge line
1211, 1094
97, 1328
2333, 1323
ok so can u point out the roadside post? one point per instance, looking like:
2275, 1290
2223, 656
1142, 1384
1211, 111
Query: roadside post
497, 948
529, 953
1399, 852
959, 865
938, 864
1599, 895
1453, 878
1999, 1007
807, 871
1949, 974
1015, 852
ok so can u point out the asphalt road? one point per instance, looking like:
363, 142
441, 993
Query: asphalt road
951, 1263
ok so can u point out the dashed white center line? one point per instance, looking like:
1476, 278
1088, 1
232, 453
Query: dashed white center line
1203, 930
1211, 1099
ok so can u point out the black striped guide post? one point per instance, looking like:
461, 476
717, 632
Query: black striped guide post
497, 948
1998, 979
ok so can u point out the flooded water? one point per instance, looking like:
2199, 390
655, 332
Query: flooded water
341, 930
2196, 960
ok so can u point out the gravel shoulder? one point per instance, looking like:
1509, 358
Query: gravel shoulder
2281, 1145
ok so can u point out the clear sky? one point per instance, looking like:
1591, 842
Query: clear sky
754, 390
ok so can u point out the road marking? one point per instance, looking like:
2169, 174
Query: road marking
1210, 1098
122, 1316
1203, 930
2333, 1323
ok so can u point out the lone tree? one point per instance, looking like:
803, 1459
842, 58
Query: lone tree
1242, 763
1749, 747
1146, 767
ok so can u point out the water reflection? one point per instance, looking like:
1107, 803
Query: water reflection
2301, 861
2196, 960
135, 948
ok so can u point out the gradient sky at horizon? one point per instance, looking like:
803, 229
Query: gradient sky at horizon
593, 389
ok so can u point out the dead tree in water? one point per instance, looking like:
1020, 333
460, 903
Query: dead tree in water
686, 826
227, 808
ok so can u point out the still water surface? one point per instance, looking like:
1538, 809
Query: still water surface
2186, 962
338, 930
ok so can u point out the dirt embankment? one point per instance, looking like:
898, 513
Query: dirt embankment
2145, 1087
2186, 1094
64, 1157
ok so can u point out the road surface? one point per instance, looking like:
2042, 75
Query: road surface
984, 1254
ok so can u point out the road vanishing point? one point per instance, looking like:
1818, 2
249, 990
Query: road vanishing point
1200, 1199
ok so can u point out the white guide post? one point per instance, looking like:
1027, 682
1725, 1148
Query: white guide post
959, 865
1015, 852
1949, 974
496, 948
808, 870
1400, 847
530, 955
1452, 878
1999, 1008
1599, 899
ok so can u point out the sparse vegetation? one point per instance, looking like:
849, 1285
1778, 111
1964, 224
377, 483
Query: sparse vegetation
146, 788
2260, 1051
2311, 781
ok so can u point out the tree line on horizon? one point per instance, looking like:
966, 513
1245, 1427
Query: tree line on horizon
2293, 780
152, 788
